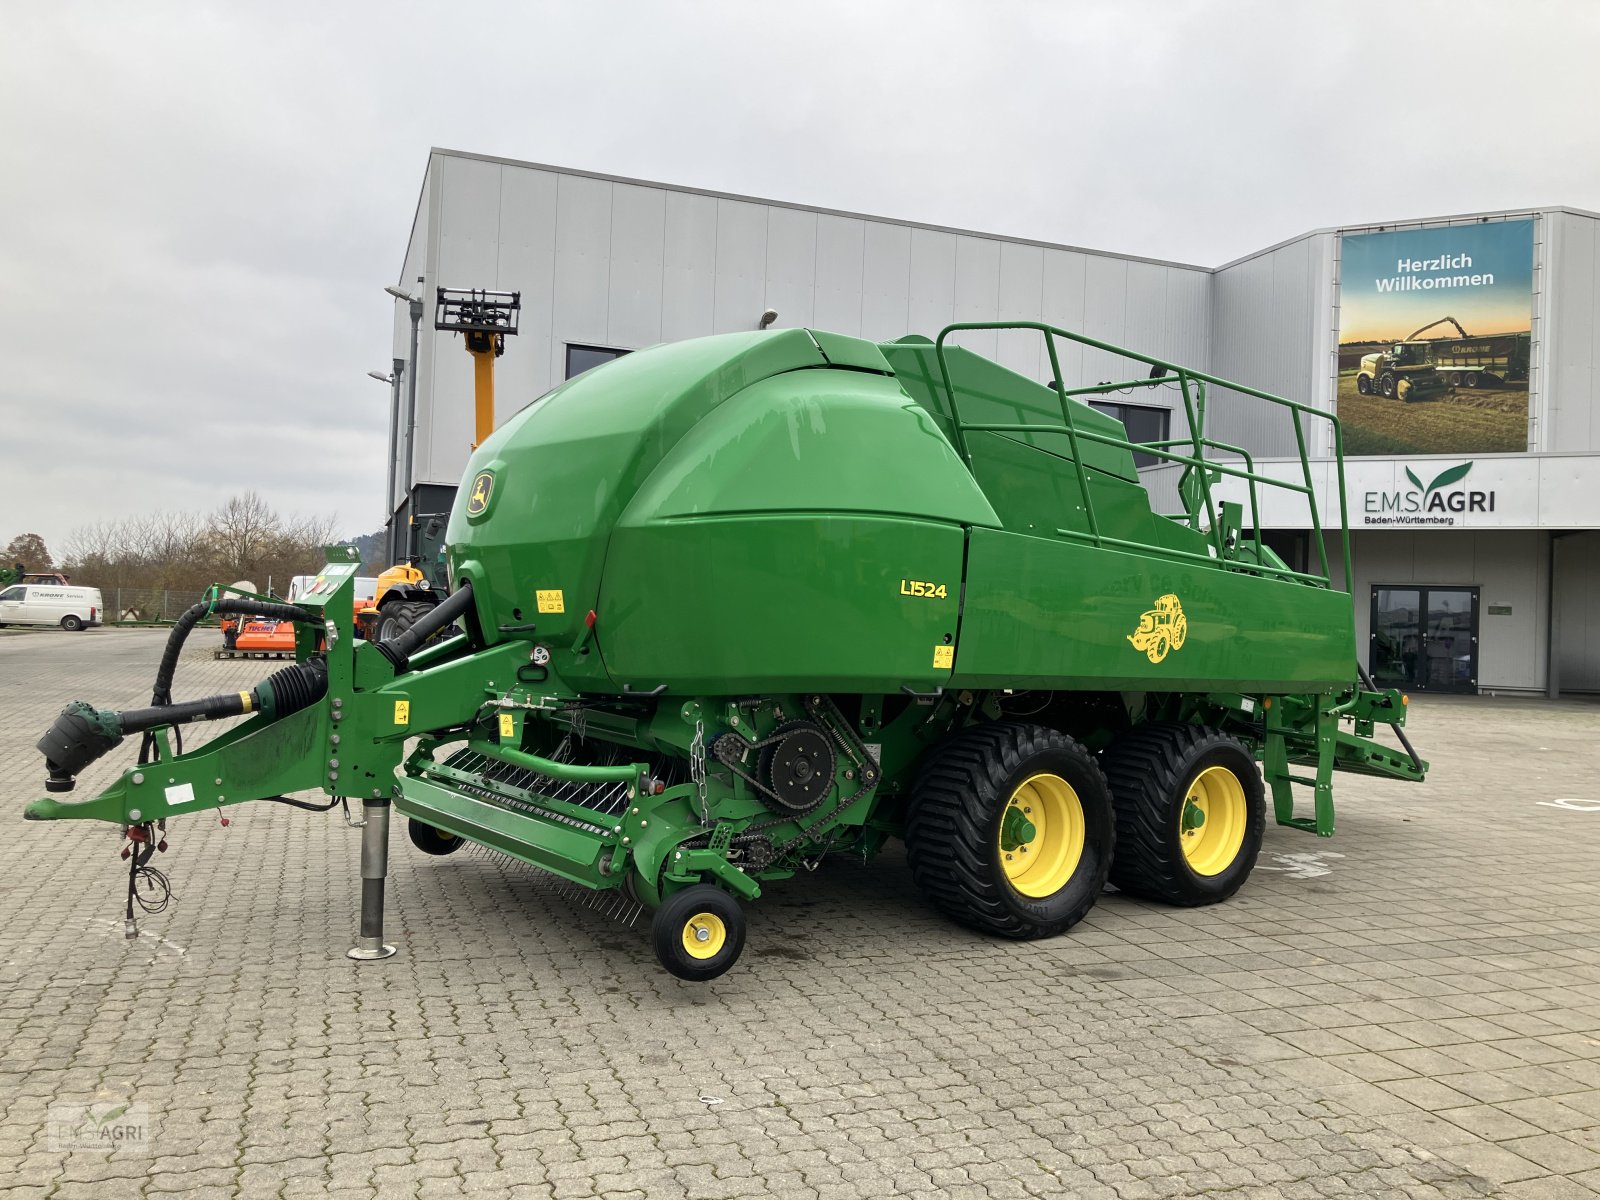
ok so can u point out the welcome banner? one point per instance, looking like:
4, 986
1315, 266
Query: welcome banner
1434, 338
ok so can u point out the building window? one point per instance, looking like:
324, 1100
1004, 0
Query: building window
1143, 423
586, 358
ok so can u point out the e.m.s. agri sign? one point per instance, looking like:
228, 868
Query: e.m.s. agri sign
1435, 340
1442, 502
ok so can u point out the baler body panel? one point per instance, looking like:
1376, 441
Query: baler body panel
776, 546
559, 474
1063, 615
743, 516
781, 602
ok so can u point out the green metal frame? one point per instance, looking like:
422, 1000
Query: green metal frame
1194, 409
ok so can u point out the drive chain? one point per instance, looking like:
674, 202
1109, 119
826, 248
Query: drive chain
730, 749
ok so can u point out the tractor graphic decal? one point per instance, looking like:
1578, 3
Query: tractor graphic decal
1161, 629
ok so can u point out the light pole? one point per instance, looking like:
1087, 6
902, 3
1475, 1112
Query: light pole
414, 303
393, 380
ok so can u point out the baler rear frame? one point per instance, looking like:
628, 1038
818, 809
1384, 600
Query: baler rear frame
1194, 410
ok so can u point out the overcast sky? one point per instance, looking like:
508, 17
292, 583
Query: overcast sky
200, 204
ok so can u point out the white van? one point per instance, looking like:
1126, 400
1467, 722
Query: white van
50, 604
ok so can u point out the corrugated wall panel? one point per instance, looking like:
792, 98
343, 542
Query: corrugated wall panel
932, 281
1064, 297
741, 265
1105, 316
689, 283
977, 296
1269, 320
841, 267
468, 256
886, 281
1021, 298
583, 267
638, 260
1147, 329
1144, 311
527, 260
791, 267
1572, 376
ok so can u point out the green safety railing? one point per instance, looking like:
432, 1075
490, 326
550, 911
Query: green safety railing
1192, 385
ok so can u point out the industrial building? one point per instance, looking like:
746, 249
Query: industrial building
1472, 458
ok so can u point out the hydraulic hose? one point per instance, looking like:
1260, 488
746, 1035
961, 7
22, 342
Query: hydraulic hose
399, 649
162, 692
82, 734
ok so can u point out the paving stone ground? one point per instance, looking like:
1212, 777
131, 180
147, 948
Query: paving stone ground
1410, 1009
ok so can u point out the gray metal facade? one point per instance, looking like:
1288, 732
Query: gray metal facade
624, 264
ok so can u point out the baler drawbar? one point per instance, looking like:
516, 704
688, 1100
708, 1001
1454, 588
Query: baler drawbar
724, 607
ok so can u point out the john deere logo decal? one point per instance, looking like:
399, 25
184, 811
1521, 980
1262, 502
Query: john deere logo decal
482, 489
1162, 628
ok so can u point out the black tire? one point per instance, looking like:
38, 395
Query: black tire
1472, 379
1386, 386
1152, 770
1455, 378
430, 840
702, 916
958, 807
395, 619
71, 623
1364, 384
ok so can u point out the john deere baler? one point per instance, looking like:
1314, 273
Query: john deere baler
723, 607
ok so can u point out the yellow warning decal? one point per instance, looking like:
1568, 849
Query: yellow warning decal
402, 712
551, 601
508, 725
944, 657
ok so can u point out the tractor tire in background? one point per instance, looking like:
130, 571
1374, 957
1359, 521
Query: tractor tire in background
1190, 810
1364, 384
1010, 830
1386, 386
395, 619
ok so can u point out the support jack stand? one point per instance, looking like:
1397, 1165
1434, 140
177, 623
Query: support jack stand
370, 945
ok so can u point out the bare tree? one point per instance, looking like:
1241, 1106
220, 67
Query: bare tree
243, 534
244, 538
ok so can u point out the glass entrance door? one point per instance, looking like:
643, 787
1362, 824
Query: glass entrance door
1425, 638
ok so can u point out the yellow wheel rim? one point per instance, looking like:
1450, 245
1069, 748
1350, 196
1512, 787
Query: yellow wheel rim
1041, 835
704, 935
1212, 824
